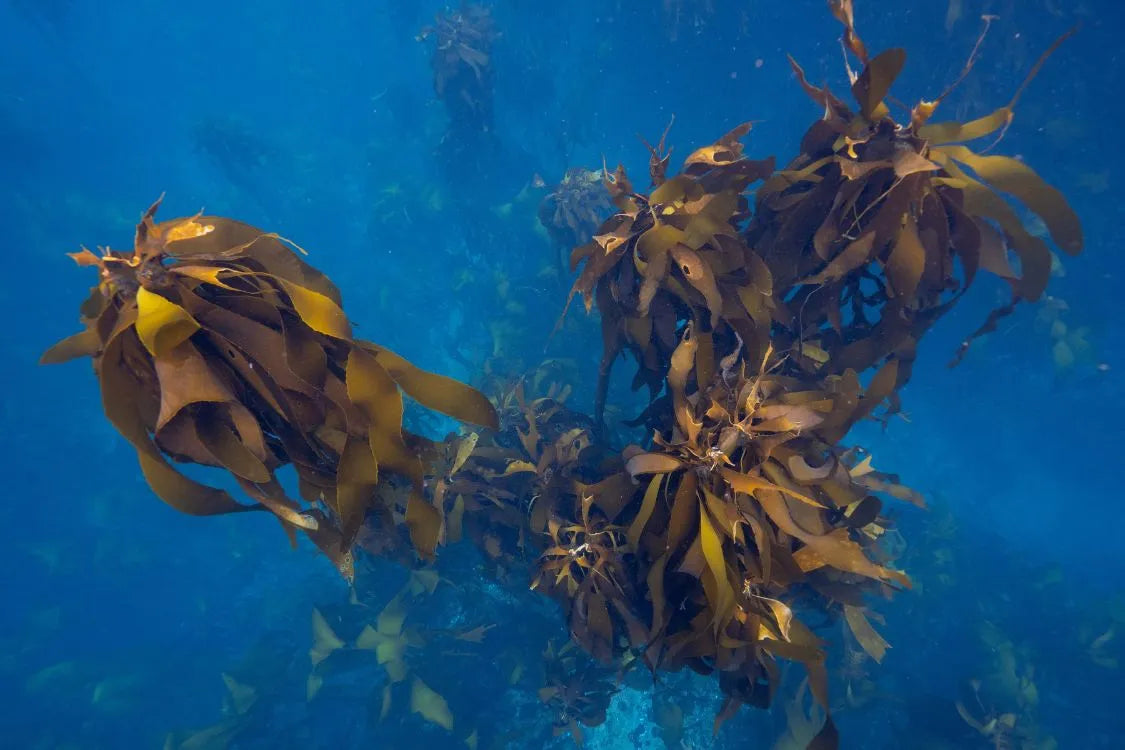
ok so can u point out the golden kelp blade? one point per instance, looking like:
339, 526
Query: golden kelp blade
162, 325
82, 344
437, 392
1012, 176
325, 640
875, 82
430, 705
868, 638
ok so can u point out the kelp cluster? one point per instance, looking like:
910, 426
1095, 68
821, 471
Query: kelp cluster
878, 227
853, 250
677, 556
462, 64
754, 330
1069, 343
764, 326
574, 209
215, 344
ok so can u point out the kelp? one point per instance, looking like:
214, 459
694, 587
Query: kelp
215, 344
502, 489
854, 249
462, 63
674, 255
879, 227
574, 209
764, 325
741, 512
689, 554
575, 690
1003, 706
392, 641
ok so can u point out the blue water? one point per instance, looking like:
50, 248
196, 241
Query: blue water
320, 122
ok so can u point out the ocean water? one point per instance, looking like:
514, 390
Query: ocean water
125, 624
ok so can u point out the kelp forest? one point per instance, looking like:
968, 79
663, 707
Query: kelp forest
664, 501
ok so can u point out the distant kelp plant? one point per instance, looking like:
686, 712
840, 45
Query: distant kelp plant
215, 344
462, 64
574, 209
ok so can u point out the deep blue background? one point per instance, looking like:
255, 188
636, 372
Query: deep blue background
103, 106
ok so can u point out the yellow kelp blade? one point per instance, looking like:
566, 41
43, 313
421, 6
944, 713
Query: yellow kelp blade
325, 640
161, 324
242, 696
318, 311
719, 592
1012, 176
82, 344
867, 636
940, 133
434, 391
430, 705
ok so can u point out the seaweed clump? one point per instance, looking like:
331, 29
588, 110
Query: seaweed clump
215, 344
879, 227
764, 334
574, 209
698, 551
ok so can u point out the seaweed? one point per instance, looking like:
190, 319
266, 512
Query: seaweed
678, 556
764, 333
574, 209
675, 255
215, 344
879, 227
576, 690
854, 249
462, 64
503, 488
764, 326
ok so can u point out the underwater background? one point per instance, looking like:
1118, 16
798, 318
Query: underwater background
125, 624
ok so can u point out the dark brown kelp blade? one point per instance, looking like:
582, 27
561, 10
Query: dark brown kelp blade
216, 344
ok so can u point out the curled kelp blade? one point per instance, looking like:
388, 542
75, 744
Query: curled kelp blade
436, 392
